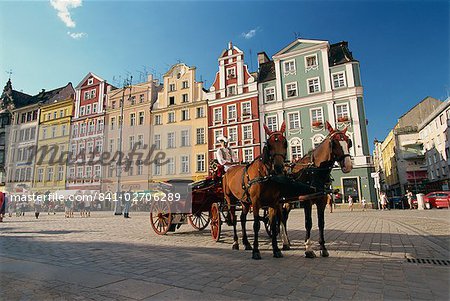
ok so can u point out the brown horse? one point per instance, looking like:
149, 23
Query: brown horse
314, 169
251, 185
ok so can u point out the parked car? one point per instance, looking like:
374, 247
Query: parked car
401, 202
438, 199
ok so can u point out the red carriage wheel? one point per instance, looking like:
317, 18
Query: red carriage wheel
199, 220
216, 222
160, 217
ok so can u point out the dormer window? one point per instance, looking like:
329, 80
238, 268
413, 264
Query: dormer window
231, 72
90, 81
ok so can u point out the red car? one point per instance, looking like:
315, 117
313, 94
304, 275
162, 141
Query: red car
438, 199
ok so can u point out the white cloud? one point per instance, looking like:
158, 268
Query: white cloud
250, 34
77, 35
63, 7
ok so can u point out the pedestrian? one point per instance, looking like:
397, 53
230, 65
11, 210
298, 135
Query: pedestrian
330, 202
87, 206
363, 203
51, 207
37, 206
350, 203
23, 207
409, 195
2, 202
126, 208
384, 201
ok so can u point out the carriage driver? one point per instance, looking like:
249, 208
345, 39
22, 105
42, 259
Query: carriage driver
225, 154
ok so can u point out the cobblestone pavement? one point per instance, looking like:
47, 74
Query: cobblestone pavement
108, 257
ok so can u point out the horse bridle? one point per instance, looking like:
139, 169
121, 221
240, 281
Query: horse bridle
272, 156
342, 137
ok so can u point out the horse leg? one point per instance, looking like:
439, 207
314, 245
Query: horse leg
256, 254
234, 222
283, 227
275, 216
309, 253
321, 205
245, 241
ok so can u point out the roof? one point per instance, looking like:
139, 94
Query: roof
266, 72
61, 93
340, 54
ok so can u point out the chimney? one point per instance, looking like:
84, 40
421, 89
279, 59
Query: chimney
262, 58
43, 91
230, 45
108, 88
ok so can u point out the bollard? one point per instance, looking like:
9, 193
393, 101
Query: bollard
420, 204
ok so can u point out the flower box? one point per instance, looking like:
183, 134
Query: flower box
343, 119
317, 124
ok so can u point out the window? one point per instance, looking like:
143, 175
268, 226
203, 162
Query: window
88, 109
185, 84
171, 87
246, 109
289, 67
294, 120
184, 98
90, 81
131, 169
97, 171
133, 100
171, 100
88, 171
158, 119
157, 169
317, 140
313, 85
90, 147
217, 134
50, 174
184, 164
200, 136
140, 142
269, 94
200, 112
98, 146
61, 114
140, 167
296, 149
82, 111
247, 132
113, 122
131, 142
171, 140
184, 138
91, 126
86, 95
342, 112
113, 105
272, 123
338, 80
170, 166
157, 141
100, 126
53, 131
94, 108
33, 133
133, 119
291, 90
311, 62
232, 113
231, 72
248, 154
218, 115
93, 93
28, 174
171, 117
185, 114
83, 129
231, 89
200, 162
232, 134
316, 116
44, 134
40, 176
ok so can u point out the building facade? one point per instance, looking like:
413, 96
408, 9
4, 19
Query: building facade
53, 143
84, 171
308, 83
180, 126
133, 133
233, 107
435, 137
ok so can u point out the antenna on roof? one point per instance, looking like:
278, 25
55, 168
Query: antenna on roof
9, 73
179, 61
296, 35
117, 80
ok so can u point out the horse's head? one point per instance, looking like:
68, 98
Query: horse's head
340, 146
276, 148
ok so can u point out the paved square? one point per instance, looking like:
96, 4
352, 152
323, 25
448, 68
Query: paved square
107, 257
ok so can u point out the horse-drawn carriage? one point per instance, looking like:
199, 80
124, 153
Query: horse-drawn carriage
266, 183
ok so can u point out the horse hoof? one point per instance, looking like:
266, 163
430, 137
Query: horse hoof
256, 256
324, 253
277, 254
248, 247
310, 254
235, 247
286, 247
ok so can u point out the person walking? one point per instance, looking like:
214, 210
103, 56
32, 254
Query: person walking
363, 203
37, 207
126, 208
87, 207
384, 200
409, 196
350, 203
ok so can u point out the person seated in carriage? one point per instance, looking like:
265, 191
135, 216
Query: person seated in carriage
224, 154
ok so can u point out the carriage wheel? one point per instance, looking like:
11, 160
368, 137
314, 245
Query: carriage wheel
160, 217
199, 220
267, 222
216, 222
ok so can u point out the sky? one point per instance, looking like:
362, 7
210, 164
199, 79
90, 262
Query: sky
402, 46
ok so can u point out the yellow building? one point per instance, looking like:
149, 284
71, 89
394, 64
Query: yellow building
180, 126
389, 160
53, 146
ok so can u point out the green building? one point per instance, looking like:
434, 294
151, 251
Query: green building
308, 83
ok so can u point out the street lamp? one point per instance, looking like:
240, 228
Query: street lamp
118, 203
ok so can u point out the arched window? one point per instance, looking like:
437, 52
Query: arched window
317, 140
296, 148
